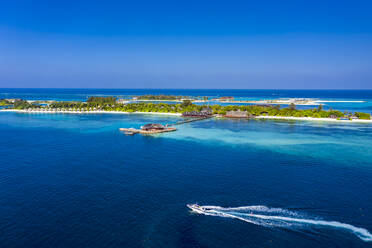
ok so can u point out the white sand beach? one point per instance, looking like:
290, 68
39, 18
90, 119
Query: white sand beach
337, 101
312, 119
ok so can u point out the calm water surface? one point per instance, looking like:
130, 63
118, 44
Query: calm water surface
70, 180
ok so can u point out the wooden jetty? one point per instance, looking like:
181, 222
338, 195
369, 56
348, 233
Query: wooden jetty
190, 120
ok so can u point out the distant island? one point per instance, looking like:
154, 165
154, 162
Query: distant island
185, 106
230, 99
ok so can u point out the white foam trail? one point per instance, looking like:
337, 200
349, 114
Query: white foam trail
254, 215
258, 208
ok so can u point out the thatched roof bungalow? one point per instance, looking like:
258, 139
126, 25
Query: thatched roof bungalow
153, 126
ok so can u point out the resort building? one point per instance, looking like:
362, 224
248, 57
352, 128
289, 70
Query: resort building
237, 114
206, 112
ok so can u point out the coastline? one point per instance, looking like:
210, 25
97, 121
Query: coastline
310, 103
179, 114
286, 102
312, 119
339, 101
147, 100
86, 112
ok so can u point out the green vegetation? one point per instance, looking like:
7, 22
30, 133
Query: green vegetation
4, 102
277, 111
100, 100
162, 97
186, 103
72, 105
364, 116
22, 105
131, 107
110, 104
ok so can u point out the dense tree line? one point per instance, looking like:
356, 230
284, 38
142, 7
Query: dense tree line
23, 105
4, 102
101, 100
362, 115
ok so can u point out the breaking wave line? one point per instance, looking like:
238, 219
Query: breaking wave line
278, 217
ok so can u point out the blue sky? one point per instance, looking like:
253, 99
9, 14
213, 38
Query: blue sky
186, 44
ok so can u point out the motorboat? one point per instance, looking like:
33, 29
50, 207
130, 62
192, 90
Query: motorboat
196, 208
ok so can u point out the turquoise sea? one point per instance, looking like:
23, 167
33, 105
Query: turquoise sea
74, 180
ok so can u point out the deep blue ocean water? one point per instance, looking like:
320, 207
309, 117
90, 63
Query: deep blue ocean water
74, 180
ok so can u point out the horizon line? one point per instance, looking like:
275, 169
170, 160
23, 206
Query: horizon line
180, 88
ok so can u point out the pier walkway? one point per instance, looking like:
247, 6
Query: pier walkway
190, 120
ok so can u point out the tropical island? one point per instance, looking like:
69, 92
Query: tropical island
185, 108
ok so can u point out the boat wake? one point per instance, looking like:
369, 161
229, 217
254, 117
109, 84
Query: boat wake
277, 217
